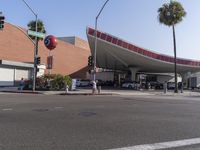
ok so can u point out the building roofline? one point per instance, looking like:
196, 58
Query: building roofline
16, 64
142, 51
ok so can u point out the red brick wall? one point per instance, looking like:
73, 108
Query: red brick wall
14, 45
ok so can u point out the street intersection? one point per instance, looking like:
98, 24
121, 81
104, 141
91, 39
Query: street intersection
118, 122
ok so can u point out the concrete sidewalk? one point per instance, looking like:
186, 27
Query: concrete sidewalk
123, 92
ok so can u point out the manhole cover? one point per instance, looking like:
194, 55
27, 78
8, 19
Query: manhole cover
41, 110
87, 114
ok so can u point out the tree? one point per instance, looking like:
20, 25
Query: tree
40, 28
170, 14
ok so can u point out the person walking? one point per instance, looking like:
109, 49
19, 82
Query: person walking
181, 84
21, 84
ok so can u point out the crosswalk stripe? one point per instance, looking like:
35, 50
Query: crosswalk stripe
7, 109
164, 145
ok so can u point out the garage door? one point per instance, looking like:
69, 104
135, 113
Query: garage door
6, 77
19, 73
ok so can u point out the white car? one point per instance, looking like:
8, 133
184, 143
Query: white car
81, 83
129, 85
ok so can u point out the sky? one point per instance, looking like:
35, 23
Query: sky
135, 21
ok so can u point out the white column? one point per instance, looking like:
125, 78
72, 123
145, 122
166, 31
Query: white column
133, 73
185, 77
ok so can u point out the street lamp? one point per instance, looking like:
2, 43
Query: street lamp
95, 46
36, 46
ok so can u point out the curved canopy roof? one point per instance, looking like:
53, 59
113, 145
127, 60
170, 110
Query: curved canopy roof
117, 54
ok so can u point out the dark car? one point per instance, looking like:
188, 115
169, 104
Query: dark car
155, 85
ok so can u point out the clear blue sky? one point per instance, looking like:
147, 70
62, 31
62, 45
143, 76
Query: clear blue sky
133, 20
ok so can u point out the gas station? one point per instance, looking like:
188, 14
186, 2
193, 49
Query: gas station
127, 59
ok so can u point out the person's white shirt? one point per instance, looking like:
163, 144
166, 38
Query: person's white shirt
94, 85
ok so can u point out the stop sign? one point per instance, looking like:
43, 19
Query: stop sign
50, 42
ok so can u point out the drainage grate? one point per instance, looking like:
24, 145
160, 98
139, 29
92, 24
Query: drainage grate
87, 114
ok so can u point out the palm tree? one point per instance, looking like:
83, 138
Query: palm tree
170, 14
40, 28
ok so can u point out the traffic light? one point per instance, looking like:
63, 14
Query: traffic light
90, 61
37, 69
38, 59
2, 22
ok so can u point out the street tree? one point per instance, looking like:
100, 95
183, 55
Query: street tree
171, 14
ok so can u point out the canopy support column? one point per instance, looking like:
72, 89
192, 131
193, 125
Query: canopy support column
134, 71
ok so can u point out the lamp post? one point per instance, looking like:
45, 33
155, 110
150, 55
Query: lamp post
95, 46
36, 45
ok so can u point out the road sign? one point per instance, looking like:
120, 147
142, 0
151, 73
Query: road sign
49, 62
37, 34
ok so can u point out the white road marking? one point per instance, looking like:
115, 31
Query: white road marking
58, 107
164, 145
7, 109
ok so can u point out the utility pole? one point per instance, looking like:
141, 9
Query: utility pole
36, 46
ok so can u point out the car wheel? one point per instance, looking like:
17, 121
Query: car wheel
130, 87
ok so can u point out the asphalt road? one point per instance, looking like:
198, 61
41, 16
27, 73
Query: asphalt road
41, 122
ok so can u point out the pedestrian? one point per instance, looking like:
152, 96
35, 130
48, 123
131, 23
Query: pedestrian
94, 87
67, 88
149, 86
21, 84
181, 87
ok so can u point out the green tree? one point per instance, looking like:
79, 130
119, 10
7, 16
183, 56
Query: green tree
170, 14
40, 28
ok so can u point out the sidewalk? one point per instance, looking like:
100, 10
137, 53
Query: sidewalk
123, 92
15, 90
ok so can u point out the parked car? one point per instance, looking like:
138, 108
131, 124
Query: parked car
155, 85
82, 83
171, 85
130, 85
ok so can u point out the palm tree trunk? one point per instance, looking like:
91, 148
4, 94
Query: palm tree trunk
175, 70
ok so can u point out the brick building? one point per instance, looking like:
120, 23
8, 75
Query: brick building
17, 51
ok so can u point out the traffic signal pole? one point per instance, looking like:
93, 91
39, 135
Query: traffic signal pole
35, 56
36, 47
95, 46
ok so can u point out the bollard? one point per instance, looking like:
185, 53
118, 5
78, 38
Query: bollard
165, 87
165, 90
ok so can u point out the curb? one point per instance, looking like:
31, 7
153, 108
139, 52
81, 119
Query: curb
88, 94
24, 92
